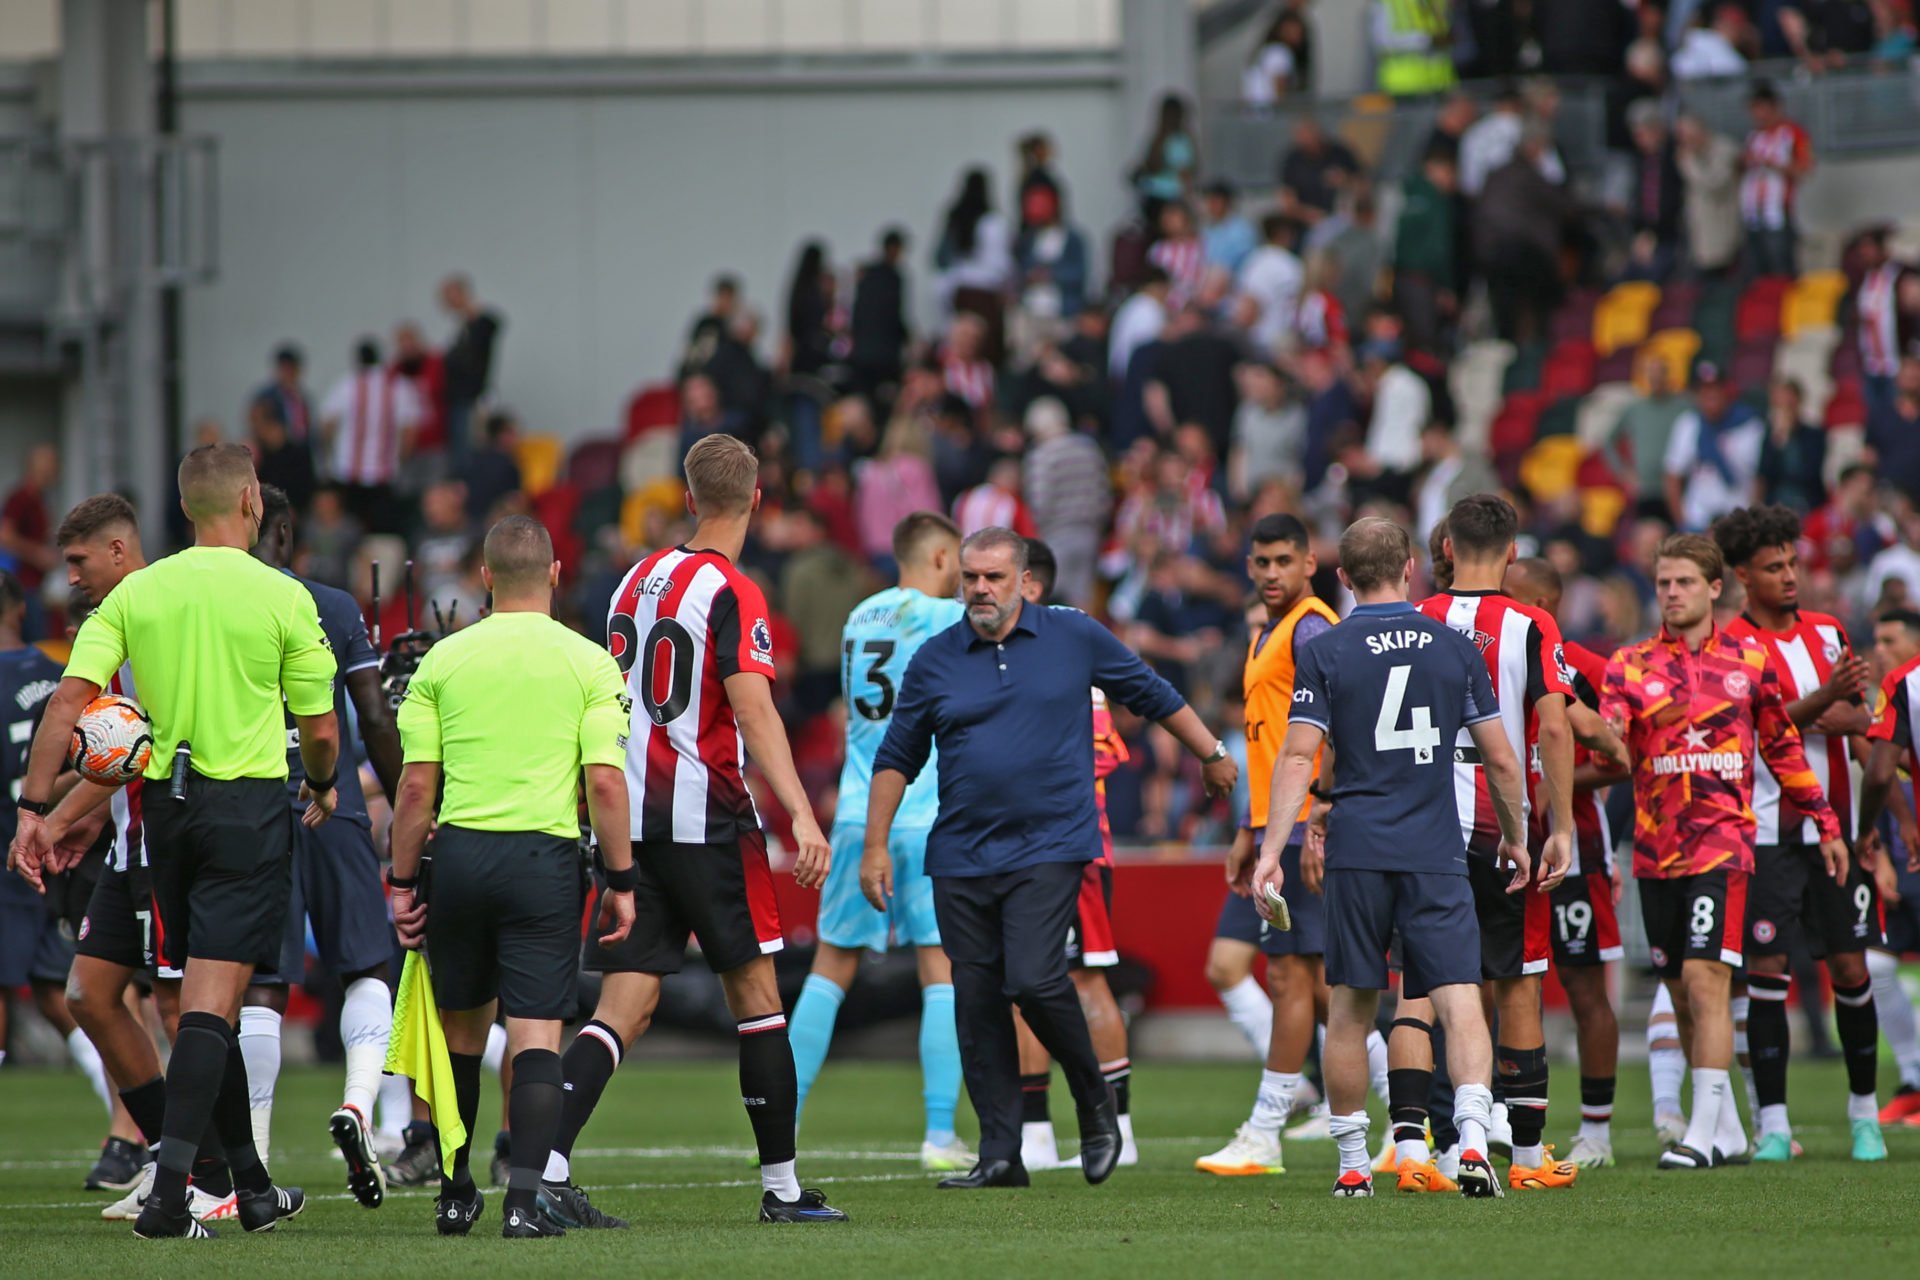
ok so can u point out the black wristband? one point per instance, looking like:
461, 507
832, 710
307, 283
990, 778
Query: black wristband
395, 882
320, 788
625, 880
39, 808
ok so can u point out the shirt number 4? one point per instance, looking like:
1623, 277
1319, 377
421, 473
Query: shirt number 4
1420, 737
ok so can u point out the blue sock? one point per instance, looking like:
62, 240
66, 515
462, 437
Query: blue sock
939, 1061
810, 1029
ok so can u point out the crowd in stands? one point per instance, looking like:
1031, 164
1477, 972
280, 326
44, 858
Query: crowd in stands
1622, 359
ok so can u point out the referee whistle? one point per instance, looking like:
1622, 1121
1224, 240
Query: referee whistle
182, 760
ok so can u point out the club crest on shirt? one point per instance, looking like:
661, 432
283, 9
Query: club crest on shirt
1659, 957
1655, 688
1833, 652
1736, 684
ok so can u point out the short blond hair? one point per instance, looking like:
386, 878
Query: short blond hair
722, 474
213, 477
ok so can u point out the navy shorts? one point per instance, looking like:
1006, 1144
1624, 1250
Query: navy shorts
1432, 913
32, 947
336, 888
1240, 920
1903, 917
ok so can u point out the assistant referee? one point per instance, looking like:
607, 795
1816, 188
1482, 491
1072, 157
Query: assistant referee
219, 643
510, 711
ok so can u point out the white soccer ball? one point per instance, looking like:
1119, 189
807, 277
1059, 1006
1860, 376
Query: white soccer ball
112, 741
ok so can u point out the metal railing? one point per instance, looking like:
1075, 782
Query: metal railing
1866, 107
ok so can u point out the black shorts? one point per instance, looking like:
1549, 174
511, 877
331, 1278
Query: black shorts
117, 926
69, 892
1514, 927
1792, 898
721, 894
1697, 917
1432, 914
336, 889
503, 921
222, 870
1585, 924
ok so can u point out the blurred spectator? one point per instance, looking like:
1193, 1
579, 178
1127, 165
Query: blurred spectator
1412, 47
1168, 168
1713, 458
329, 537
702, 414
469, 360
1456, 115
1894, 33
1179, 253
1452, 474
1040, 188
1269, 285
367, 423
1228, 237
975, 255
422, 367
278, 458
440, 549
1314, 173
26, 532
1793, 460
708, 328
1657, 195
1710, 48
807, 341
1269, 433
1778, 157
1320, 321
284, 400
1053, 261
879, 326
1190, 379
1518, 227
894, 485
819, 586
1542, 97
1270, 71
1426, 266
965, 370
1898, 566
1823, 34
1881, 328
1331, 404
1069, 496
1402, 407
1893, 431
1832, 536
1709, 165
1138, 322
996, 503
1492, 140
961, 455
493, 471
1359, 253
1636, 447
1167, 628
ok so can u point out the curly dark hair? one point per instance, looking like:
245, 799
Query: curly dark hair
1746, 531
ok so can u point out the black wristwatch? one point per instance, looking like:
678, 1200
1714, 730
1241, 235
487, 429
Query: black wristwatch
319, 787
395, 882
39, 808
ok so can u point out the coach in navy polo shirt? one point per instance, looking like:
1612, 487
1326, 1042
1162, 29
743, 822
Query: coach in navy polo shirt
1006, 696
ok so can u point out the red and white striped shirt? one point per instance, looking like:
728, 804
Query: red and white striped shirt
1320, 321
987, 506
129, 844
1593, 837
680, 624
971, 380
1879, 322
1185, 262
1766, 196
1802, 657
369, 412
1522, 649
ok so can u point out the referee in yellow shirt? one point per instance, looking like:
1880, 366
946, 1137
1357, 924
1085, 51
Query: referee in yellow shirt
219, 643
509, 712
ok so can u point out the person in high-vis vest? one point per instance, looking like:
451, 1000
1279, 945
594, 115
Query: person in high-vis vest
1413, 47
1281, 564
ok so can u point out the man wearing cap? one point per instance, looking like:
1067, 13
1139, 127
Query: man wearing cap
1713, 458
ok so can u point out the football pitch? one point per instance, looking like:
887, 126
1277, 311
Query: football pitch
670, 1149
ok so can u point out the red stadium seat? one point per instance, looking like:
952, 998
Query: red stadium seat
1569, 370
1758, 313
556, 509
654, 407
1847, 407
1752, 366
1574, 319
1846, 359
594, 464
1617, 367
1517, 424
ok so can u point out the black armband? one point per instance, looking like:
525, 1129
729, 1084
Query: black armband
625, 880
395, 882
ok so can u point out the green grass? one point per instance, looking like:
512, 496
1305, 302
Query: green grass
670, 1150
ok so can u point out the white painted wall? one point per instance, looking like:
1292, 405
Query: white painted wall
594, 223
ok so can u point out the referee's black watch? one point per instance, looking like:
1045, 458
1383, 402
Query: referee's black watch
39, 808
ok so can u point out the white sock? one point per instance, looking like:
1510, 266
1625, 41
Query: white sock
1448, 1161
1596, 1130
1668, 1068
1773, 1118
1710, 1085
1126, 1131
1530, 1157
1414, 1149
396, 1104
1250, 1009
1037, 1139
1863, 1106
1738, 1007
260, 1050
366, 1020
1895, 1007
1472, 1114
496, 1051
1350, 1131
558, 1168
1274, 1102
779, 1179
1377, 1064
1731, 1137
87, 1058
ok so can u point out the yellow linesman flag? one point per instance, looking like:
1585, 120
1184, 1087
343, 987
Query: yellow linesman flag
418, 1050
